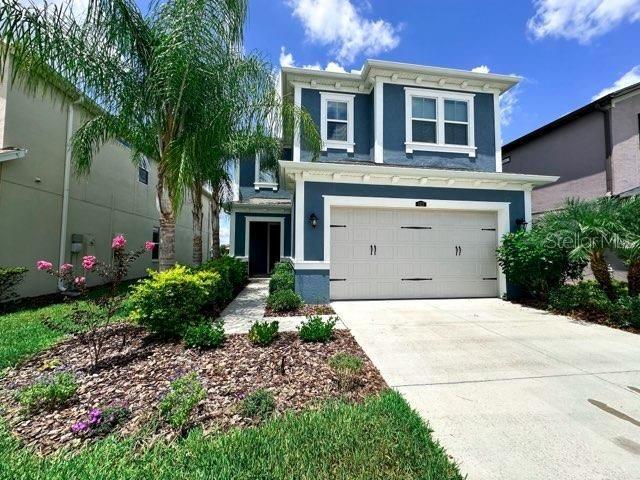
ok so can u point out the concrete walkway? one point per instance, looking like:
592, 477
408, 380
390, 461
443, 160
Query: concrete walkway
511, 392
248, 308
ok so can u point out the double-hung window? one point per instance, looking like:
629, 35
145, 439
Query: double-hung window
264, 177
336, 118
439, 121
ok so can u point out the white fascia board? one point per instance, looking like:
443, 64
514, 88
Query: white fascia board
412, 176
7, 155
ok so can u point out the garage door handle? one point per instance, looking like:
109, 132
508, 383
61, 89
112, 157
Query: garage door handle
375, 249
370, 249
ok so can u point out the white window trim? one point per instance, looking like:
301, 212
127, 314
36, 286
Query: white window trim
258, 185
336, 97
440, 96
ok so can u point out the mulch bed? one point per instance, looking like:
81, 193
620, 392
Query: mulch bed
303, 311
140, 374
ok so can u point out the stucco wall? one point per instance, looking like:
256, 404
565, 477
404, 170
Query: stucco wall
625, 156
110, 200
575, 152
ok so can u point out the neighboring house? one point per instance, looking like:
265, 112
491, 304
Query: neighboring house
48, 213
595, 151
407, 199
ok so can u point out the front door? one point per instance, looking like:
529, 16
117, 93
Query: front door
264, 247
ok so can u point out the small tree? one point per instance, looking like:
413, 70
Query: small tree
88, 319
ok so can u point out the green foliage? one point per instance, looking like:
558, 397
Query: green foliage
168, 302
205, 335
282, 277
583, 296
627, 312
10, 278
315, 329
259, 404
263, 333
537, 263
233, 273
346, 367
111, 418
176, 406
219, 290
284, 301
380, 439
48, 393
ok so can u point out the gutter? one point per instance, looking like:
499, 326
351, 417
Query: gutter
62, 256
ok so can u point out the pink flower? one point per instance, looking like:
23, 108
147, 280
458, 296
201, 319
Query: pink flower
79, 281
66, 268
118, 242
44, 265
149, 246
88, 262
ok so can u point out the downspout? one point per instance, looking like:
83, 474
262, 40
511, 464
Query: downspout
65, 192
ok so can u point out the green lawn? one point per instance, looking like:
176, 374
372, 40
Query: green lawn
380, 439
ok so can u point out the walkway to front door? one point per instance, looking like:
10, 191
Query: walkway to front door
511, 392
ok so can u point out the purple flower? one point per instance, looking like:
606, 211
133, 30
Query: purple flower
95, 416
79, 427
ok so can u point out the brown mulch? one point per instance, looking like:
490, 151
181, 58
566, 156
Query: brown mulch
303, 311
140, 374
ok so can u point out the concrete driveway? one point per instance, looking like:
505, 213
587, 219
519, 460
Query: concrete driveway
511, 392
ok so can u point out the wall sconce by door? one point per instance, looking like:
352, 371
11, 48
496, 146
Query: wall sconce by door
521, 223
313, 220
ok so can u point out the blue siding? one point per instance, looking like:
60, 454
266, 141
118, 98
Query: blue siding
363, 127
247, 172
240, 233
313, 285
394, 136
314, 203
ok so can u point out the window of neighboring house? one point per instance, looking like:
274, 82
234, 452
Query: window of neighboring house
155, 238
506, 160
264, 178
143, 172
439, 121
336, 121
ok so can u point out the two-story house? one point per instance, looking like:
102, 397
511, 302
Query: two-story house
407, 199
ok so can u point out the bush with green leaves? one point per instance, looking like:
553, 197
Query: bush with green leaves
627, 312
205, 335
232, 270
219, 289
346, 367
10, 278
584, 296
315, 329
167, 302
263, 333
48, 393
536, 262
178, 404
282, 278
258, 405
284, 301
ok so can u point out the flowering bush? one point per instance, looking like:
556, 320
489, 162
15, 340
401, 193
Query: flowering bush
87, 319
100, 422
176, 406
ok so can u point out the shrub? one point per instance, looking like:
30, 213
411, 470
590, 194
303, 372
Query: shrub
585, 296
284, 301
48, 393
169, 301
536, 262
204, 335
231, 270
218, 287
260, 404
101, 422
347, 367
627, 312
282, 277
263, 333
10, 278
176, 406
314, 329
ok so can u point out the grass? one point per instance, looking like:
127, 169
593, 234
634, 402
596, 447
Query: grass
380, 439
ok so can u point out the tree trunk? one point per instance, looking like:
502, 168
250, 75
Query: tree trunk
196, 213
167, 247
633, 277
215, 224
601, 272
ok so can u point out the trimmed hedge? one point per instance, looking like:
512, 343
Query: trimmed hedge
282, 278
284, 301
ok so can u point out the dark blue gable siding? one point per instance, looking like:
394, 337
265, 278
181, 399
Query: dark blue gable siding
247, 172
363, 127
394, 136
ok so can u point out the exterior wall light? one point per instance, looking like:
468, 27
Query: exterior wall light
521, 223
313, 220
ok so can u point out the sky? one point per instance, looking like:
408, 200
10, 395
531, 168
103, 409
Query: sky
568, 52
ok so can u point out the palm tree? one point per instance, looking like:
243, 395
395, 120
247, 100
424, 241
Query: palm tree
629, 250
160, 80
589, 228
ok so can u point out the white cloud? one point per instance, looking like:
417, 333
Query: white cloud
339, 24
78, 7
629, 78
508, 103
335, 67
481, 69
287, 60
580, 20
225, 230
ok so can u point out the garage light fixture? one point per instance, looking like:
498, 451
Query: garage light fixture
313, 220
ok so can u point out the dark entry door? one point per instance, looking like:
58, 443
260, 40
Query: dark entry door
274, 244
264, 247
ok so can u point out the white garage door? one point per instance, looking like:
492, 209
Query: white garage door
381, 253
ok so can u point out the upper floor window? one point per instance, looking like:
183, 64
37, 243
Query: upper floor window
264, 177
439, 121
143, 172
336, 121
